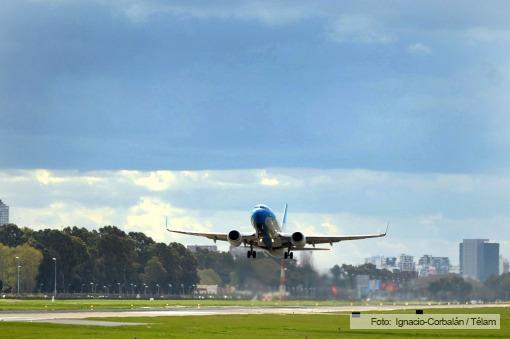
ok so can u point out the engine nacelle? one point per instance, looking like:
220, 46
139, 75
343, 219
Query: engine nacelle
298, 239
234, 238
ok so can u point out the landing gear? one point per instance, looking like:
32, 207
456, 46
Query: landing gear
251, 254
289, 255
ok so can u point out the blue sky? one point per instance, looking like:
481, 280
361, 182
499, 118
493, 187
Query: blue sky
415, 93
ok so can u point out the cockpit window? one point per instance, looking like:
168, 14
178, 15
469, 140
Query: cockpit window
261, 206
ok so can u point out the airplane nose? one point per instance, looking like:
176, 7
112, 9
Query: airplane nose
259, 217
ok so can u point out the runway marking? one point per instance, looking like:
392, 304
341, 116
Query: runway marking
87, 322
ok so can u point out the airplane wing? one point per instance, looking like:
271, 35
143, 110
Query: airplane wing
331, 239
215, 236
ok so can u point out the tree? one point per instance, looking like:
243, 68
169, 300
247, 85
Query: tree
74, 264
336, 271
233, 279
450, 287
221, 262
209, 277
500, 286
11, 235
116, 256
29, 260
187, 264
143, 246
154, 272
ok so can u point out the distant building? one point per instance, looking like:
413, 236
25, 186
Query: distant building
391, 262
430, 265
377, 260
382, 262
455, 269
406, 263
207, 289
478, 259
4, 213
210, 248
503, 265
362, 285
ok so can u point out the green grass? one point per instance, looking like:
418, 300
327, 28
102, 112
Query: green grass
246, 326
98, 304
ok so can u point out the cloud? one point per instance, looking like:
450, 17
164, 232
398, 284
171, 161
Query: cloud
423, 209
56, 214
267, 181
419, 48
486, 35
154, 180
359, 29
149, 215
272, 13
78, 107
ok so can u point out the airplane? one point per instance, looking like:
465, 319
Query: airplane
269, 237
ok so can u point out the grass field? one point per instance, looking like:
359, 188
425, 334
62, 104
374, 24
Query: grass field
101, 304
246, 326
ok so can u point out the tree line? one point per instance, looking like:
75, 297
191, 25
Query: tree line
109, 260
92, 260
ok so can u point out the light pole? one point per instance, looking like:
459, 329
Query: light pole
157, 285
118, 284
55, 289
169, 289
17, 267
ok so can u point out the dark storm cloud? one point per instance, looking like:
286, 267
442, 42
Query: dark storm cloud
148, 84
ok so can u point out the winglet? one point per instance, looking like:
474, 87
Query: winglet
166, 224
387, 226
284, 219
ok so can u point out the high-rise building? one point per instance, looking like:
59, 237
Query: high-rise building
377, 260
430, 265
382, 262
478, 259
390, 262
406, 263
4, 213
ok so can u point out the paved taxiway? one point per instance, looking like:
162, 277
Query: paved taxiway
67, 317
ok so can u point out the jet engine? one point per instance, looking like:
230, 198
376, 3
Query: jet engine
298, 239
234, 238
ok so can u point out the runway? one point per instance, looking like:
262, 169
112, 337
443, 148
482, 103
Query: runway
79, 317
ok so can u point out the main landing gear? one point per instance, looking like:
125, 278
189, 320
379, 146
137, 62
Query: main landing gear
289, 255
251, 254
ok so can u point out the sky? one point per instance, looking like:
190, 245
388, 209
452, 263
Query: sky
356, 113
